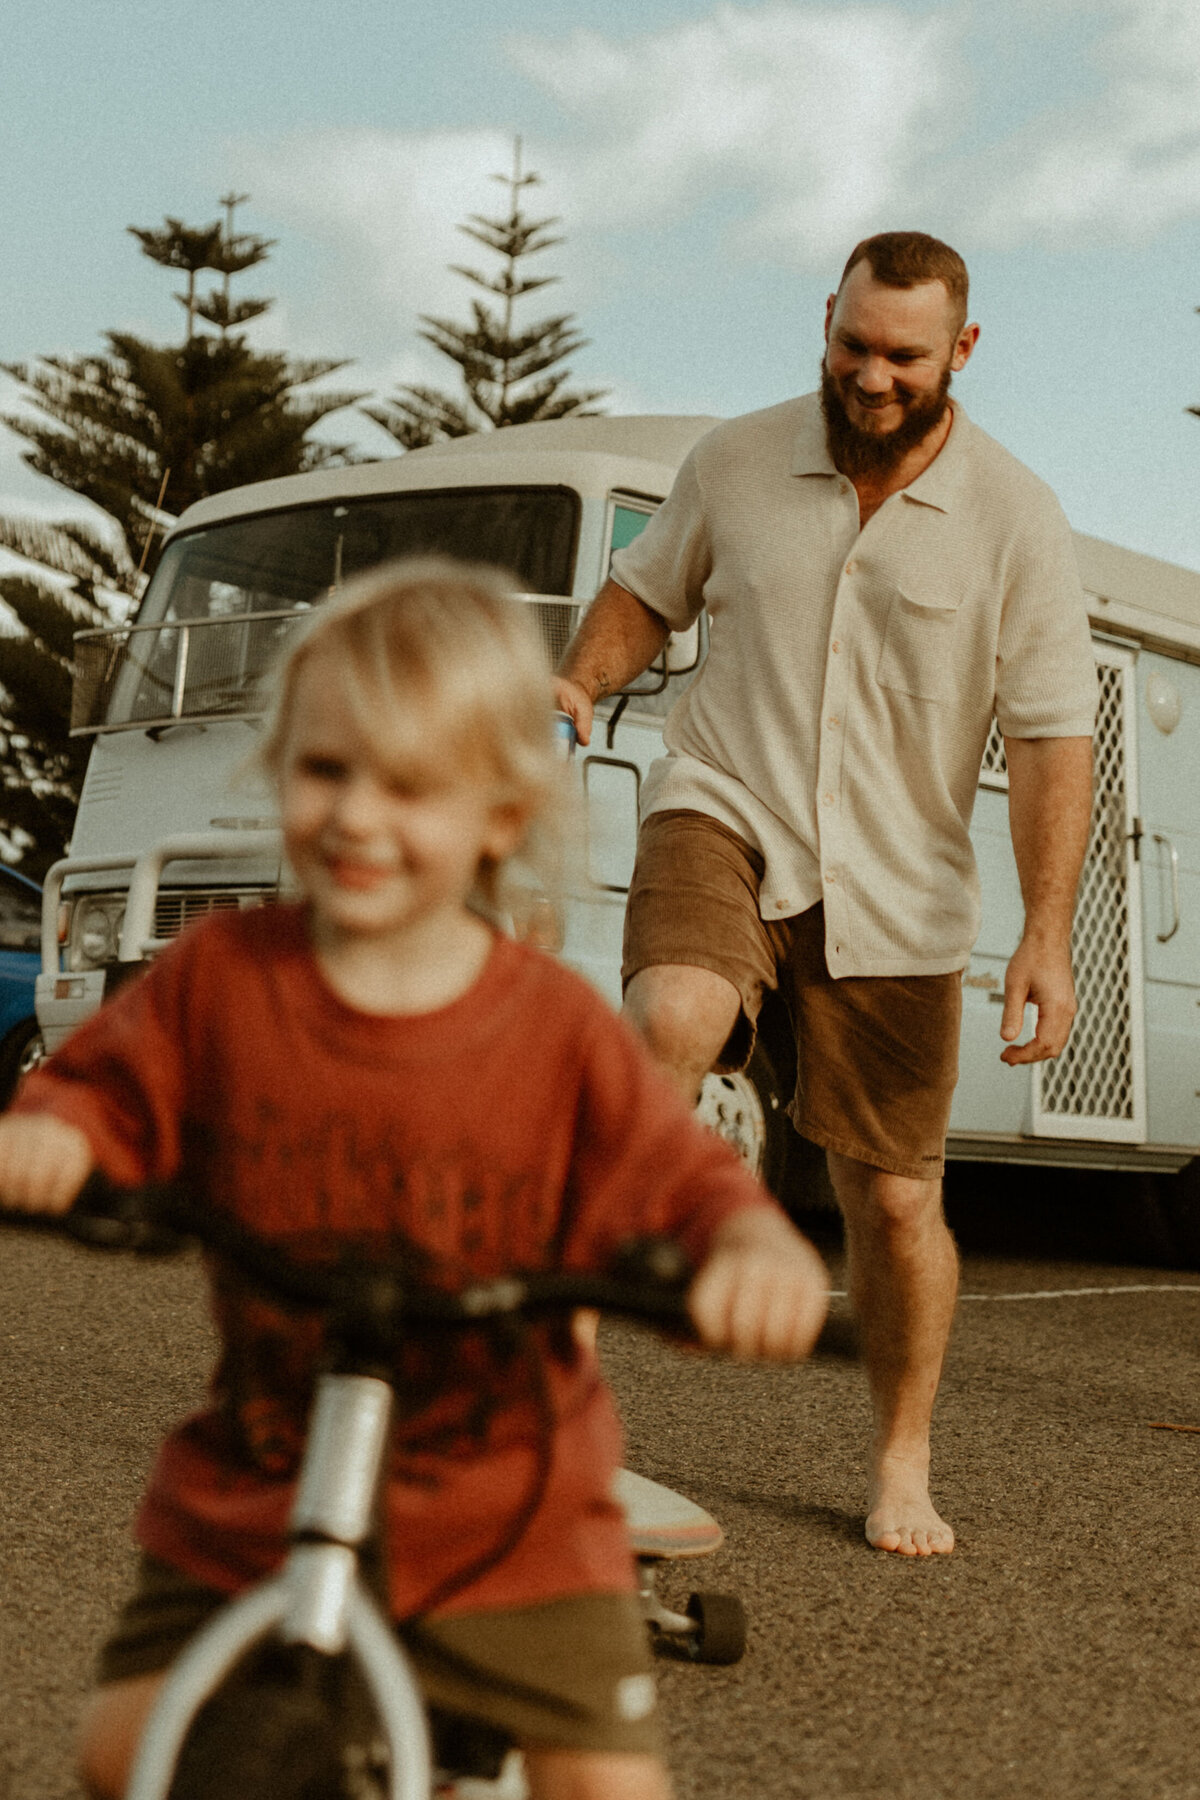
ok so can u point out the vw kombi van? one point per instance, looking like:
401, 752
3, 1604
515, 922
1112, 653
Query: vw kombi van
168, 829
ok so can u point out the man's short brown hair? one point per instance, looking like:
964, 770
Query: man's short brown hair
904, 259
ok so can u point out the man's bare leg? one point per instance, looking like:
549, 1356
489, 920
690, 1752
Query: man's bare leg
903, 1283
684, 1016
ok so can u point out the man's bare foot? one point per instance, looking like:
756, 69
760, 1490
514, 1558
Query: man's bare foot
902, 1518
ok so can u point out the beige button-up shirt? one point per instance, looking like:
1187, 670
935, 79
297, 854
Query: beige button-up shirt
839, 719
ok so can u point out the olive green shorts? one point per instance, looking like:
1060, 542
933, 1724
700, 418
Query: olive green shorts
570, 1674
876, 1056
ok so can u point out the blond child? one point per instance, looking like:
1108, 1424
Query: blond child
379, 1064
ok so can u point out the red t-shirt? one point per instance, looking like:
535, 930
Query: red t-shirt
522, 1126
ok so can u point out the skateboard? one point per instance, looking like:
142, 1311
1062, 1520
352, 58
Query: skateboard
664, 1525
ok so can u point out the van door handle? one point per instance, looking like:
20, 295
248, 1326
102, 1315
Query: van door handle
1165, 936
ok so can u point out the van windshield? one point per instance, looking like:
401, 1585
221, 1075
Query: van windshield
293, 558
210, 645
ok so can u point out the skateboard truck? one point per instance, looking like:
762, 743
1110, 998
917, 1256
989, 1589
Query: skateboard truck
664, 1525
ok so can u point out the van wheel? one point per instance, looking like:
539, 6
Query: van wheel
22, 1050
746, 1109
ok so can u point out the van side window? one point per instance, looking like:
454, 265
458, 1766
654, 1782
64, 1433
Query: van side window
686, 653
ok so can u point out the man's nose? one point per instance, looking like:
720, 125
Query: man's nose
874, 376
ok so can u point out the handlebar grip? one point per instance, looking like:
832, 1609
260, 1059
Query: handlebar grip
106, 1217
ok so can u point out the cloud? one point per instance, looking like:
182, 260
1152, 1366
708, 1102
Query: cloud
385, 207
819, 117
1121, 163
769, 135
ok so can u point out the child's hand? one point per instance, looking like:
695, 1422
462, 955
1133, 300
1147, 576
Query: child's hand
43, 1163
763, 1292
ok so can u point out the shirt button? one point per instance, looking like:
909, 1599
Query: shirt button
779, 905
834, 721
835, 646
828, 798
831, 879
851, 566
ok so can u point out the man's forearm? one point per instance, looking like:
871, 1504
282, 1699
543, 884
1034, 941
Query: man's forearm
1049, 811
619, 637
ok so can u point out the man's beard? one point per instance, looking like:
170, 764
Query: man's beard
856, 452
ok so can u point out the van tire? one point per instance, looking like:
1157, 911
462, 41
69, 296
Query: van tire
21, 1051
747, 1110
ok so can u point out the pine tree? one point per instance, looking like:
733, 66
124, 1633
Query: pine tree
509, 376
135, 429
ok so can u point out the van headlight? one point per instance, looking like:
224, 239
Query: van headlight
95, 930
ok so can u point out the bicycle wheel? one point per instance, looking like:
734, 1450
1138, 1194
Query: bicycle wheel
289, 1726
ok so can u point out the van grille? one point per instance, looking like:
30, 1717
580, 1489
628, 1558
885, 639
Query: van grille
178, 907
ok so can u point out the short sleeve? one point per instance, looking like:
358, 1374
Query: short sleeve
1045, 666
121, 1077
668, 564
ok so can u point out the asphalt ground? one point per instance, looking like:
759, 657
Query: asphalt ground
1056, 1653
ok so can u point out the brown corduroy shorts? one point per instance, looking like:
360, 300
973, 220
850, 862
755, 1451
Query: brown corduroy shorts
877, 1056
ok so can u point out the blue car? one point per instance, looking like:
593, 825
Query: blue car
20, 960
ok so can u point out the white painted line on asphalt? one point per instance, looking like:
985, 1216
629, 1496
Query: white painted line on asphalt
1149, 1287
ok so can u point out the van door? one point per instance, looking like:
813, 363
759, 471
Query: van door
1169, 761
1097, 1088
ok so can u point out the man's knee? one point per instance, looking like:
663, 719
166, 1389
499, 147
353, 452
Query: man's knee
684, 1014
878, 1200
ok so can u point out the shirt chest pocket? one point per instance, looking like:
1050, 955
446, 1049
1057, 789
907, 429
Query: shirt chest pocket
918, 640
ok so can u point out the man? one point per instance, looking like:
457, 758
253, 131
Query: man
880, 577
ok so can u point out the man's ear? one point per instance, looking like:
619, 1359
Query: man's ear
967, 339
829, 305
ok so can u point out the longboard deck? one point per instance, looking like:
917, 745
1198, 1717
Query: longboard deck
662, 1522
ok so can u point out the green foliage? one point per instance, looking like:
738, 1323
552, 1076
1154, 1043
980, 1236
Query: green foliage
509, 377
207, 416
41, 766
136, 429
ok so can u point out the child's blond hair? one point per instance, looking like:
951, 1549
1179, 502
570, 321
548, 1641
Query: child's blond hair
438, 662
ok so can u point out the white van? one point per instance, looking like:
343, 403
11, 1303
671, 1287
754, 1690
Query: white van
165, 833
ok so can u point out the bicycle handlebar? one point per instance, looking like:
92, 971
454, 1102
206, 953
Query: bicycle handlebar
648, 1280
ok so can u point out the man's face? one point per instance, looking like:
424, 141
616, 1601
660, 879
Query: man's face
889, 356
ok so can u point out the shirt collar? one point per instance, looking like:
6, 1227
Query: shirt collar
939, 485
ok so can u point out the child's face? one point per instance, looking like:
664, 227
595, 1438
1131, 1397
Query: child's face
382, 850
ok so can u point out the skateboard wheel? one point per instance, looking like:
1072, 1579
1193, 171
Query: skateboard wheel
720, 1635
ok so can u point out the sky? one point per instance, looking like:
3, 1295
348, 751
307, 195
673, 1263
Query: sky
711, 165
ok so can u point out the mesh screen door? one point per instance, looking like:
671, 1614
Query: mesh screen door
1097, 1087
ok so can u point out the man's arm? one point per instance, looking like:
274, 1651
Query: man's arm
619, 637
1049, 810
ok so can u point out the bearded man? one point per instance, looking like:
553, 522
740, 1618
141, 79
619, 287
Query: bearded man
880, 578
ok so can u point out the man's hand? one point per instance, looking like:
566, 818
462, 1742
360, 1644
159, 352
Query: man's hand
763, 1292
618, 638
43, 1163
570, 697
1049, 805
1039, 974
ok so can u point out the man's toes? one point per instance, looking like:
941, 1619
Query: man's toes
888, 1537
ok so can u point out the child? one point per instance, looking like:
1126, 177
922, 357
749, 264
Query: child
379, 1064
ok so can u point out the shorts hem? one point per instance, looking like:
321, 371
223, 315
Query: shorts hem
874, 1159
744, 1034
